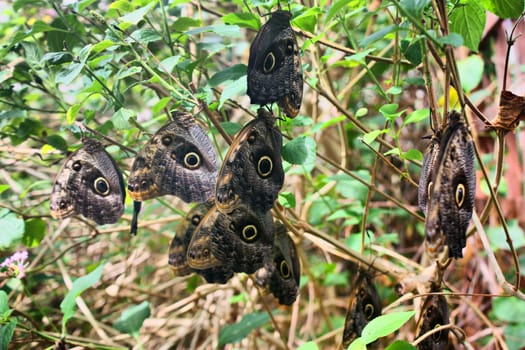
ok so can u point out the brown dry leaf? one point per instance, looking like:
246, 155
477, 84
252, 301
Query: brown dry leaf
511, 110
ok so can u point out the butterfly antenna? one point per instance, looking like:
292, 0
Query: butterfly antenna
135, 220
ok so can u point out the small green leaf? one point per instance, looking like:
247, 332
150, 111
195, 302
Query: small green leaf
325, 124
394, 90
57, 142
231, 128
401, 345
12, 228
336, 7
35, 230
468, 20
182, 24
68, 305
504, 8
369, 137
137, 15
380, 34
514, 335
361, 112
225, 30
357, 344
471, 71
68, 74
417, 116
54, 58
233, 333
127, 72
4, 304
4, 187
308, 19
384, 325
453, 39
298, 150
6, 333
287, 199
413, 154
414, 7
389, 111
498, 239
244, 20
121, 117
232, 89
131, 320
146, 35
72, 113
232, 73
508, 309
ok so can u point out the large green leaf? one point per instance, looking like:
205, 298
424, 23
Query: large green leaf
468, 20
233, 333
68, 305
6, 333
12, 228
384, 325
504, 8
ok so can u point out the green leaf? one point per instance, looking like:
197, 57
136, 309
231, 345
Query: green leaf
471, 72
131, 320
310, 345
380, 34
498, 239
384, 325
35, 230
369, 137
468, 20
57, 142
184, 23
325, 124
298, 150
18, 4
514, 336
137, 15
6, 333
390, 112
336, 7
55, 58
121, 117
127, 72
233, 333
72, 113
4, 187
414, 7
504, 8
231, 128
4, 304
417, 116
413, 154
400, 345
67, 75
68, 305
12, 228
287, 199
146, 35
169, 63
225, 30
232, 73
308, 19
233, 89
508, 309
357, 344
453, 39
244, 20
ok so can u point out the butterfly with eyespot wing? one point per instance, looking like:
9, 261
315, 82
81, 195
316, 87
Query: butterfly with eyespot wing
274, 67
241, 239
364, 305
282, 272
252, 172
434, 314
179, 247
89, 183
179, 159
450, 192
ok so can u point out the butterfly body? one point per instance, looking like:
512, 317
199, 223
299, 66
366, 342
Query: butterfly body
274, 67
89, 183
178, 160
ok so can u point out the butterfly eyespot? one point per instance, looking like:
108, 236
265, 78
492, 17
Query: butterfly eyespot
369, 311
192, 160
144, 183
195, 219
436, 336
101, 186
284, 269
166, 140
205, 252
62, 205
460, 195
77, 165
289, 47
252, 137
249, 233
269, 63
264, 166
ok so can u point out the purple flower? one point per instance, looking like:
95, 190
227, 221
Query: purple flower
15, 265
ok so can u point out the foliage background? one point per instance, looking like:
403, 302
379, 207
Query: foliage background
353, 161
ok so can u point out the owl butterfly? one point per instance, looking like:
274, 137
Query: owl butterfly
252, 171
89, 183
274, 67
241, 240
179, 246
283, 271
179, 160
451, 189
364, 305
434, 314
